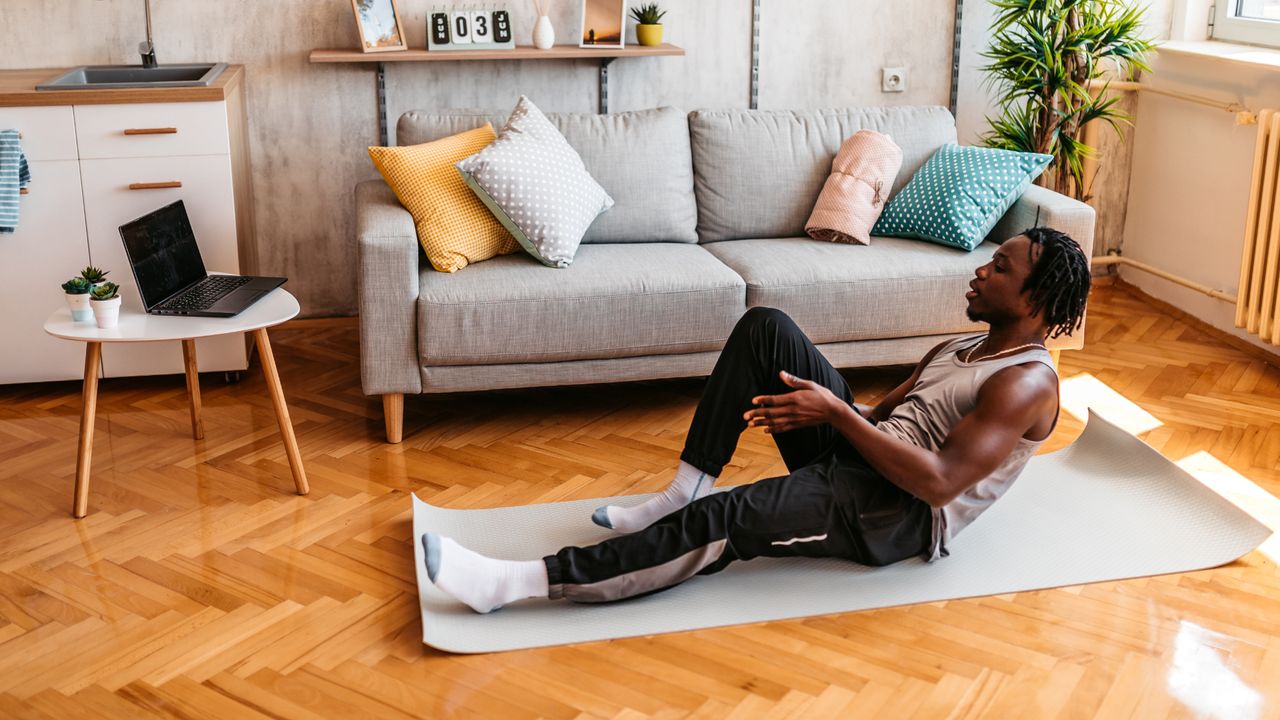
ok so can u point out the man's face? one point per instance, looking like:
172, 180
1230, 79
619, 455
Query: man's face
995, 293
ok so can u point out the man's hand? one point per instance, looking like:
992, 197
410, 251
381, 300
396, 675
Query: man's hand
811, 404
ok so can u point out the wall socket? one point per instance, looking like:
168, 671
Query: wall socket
893, 79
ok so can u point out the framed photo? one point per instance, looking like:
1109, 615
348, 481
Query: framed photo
603, 23
379, 24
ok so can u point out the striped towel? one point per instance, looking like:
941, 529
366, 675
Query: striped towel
14, 175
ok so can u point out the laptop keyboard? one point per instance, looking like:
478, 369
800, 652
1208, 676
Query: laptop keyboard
207, 293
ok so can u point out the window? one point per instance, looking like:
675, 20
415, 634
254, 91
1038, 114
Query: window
1256, 22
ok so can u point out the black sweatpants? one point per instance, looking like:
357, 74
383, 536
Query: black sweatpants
832, 504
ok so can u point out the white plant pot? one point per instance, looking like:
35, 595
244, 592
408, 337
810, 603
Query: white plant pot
79, 304
106, 312
544, 36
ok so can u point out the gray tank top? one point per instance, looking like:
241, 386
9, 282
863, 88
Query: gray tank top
947, 391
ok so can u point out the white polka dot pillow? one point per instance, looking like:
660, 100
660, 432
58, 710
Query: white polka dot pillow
537, 186
960, 194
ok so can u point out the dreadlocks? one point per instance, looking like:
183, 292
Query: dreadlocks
1059, 281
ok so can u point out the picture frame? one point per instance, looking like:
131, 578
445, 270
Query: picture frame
379, 26
604, 24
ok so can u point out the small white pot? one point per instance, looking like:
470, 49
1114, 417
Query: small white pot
544, 36
106, 312
80, 310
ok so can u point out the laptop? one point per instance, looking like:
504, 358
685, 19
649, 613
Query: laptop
170, 273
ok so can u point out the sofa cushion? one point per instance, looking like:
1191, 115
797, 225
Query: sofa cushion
642, 159
535, 184
894, 287
616, 300
757, 173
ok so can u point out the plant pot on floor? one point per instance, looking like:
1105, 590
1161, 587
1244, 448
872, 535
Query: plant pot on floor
649, 35
106, 312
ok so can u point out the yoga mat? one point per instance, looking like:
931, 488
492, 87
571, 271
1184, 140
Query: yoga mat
1107, 507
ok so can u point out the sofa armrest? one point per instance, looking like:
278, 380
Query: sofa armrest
1055, 210
387, 247
1059, 212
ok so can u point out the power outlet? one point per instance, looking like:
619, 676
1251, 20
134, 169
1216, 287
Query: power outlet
893, 80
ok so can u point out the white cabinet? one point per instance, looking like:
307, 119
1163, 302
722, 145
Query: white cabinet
84, 158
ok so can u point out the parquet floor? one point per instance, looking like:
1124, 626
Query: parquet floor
200, 586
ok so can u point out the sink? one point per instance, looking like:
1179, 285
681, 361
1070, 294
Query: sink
90, 77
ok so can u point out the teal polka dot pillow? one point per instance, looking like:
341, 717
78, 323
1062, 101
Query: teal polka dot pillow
960, 194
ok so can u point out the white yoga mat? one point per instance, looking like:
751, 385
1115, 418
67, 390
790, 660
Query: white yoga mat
1108, 507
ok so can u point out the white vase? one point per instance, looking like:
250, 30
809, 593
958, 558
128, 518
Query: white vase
106, 312
79, 304
544, 36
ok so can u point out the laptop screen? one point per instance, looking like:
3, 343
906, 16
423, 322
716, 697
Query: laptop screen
162, 249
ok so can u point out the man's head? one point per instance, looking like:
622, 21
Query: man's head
1040, 276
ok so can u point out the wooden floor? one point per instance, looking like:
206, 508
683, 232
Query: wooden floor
201, 586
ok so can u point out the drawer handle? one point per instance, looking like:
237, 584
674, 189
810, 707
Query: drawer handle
151, 131
155, 186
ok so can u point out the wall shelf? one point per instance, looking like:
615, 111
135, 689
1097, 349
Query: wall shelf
521, 52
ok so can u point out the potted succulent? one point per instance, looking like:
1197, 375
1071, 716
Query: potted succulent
77, 290
95, 276
649, 23
106, 304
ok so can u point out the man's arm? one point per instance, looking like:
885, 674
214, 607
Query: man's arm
1009, 404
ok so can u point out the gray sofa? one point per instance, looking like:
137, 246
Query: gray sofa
708, 221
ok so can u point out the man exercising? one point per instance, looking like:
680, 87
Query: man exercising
874, 485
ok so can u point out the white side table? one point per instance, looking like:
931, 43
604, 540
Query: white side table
273, 309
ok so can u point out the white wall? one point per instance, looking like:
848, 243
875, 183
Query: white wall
310, 124
1190, 182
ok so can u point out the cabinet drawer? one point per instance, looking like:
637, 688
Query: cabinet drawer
152, 130
206, 193
48, 133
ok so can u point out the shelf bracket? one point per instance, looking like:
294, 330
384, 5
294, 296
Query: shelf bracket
754, 101
604, 85
382, 104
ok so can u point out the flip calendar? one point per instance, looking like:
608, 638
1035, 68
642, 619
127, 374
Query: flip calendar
469, 27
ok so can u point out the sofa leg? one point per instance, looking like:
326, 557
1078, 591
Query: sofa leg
393, 413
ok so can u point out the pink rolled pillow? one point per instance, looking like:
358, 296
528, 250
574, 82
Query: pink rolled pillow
857, 189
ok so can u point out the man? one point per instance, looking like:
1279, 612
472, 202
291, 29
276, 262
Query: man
874, 485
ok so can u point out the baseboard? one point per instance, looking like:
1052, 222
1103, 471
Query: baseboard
1271, 358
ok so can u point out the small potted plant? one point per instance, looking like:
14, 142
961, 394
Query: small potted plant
95, 276
106, 304
77, 290
649, 27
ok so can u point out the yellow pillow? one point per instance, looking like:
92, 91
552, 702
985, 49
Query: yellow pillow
454, 227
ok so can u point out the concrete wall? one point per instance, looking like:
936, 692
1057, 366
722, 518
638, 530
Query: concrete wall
309, 124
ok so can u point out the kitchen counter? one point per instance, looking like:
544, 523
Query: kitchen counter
18, 89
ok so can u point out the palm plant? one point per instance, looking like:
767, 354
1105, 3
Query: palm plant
1044, 57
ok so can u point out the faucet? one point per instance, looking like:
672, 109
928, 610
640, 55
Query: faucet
146, 48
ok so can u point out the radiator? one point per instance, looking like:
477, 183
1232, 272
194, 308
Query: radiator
1256, 307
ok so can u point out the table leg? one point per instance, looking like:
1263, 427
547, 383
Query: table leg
193, 387
89, 407
282, 410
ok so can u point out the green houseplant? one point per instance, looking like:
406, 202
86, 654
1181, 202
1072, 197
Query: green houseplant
1047, 59
77, 292
94, 276
648, 23
106, 304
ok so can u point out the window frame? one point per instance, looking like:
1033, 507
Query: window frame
1229, 27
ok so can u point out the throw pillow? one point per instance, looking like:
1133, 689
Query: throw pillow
857, 189
454, 227
537, 186
960, 194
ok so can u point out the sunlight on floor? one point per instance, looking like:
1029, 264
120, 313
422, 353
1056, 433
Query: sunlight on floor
1240, 491
1203, 682
1080, 392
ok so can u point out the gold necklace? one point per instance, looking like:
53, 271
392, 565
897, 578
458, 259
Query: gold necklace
969, 357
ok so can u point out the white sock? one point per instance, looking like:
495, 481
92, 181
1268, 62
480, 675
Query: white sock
689, 485
482, 583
